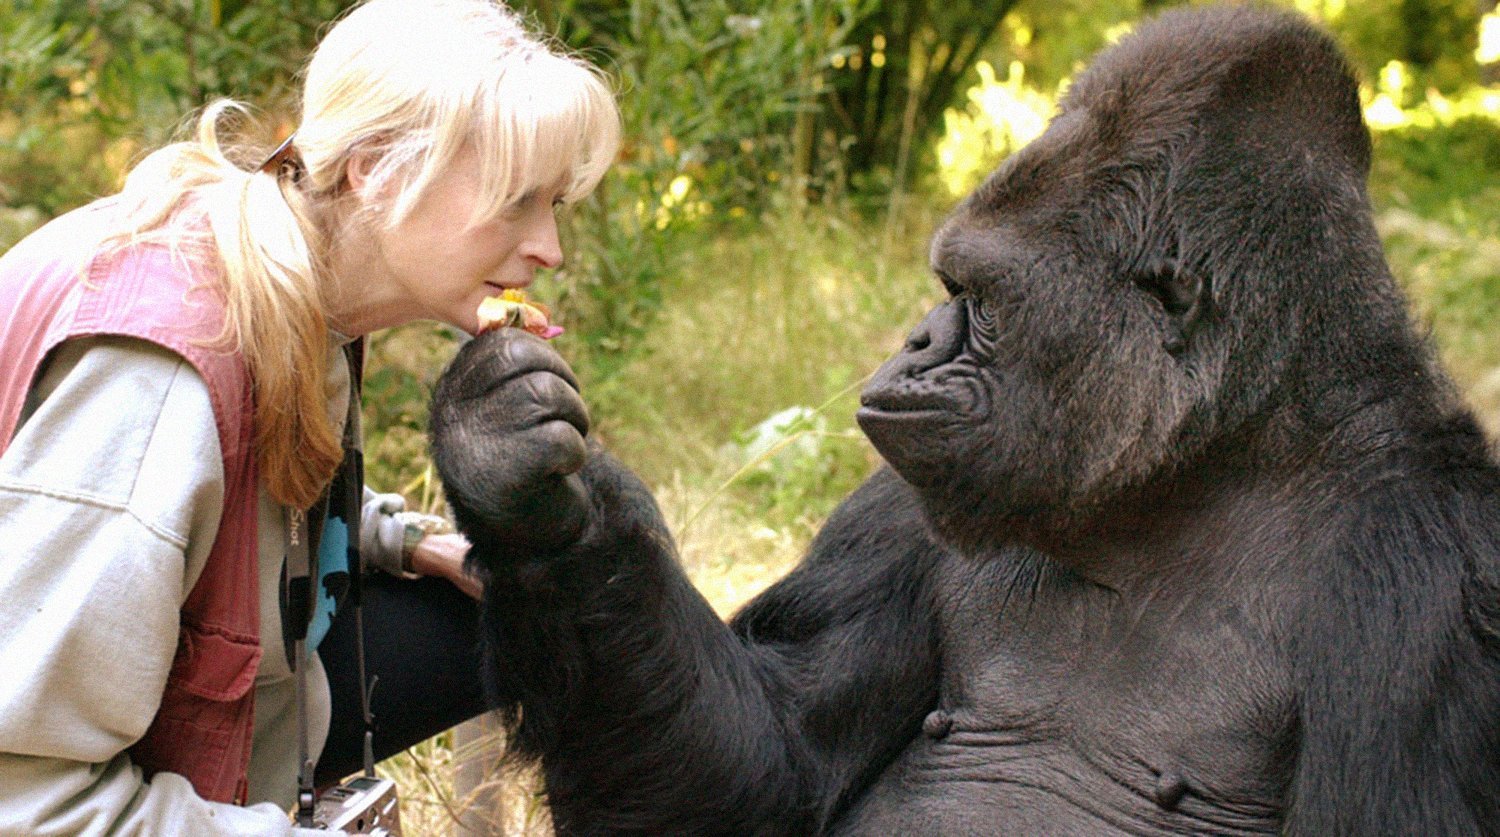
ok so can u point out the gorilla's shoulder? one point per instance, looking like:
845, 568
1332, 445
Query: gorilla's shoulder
875, 549
882, 512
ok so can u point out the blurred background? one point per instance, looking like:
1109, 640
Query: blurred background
760, 246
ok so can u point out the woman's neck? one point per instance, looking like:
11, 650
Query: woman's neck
360, 296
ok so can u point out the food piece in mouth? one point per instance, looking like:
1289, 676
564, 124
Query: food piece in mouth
512, 309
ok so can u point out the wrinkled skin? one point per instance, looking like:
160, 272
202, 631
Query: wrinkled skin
1183, 531
512, 428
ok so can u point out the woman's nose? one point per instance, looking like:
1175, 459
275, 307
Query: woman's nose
543, 245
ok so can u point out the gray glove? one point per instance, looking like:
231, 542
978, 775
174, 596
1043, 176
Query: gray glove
388, 533
382, 534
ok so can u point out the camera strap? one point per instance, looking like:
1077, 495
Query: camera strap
304, 531
301, 569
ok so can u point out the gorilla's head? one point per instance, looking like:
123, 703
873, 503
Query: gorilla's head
1161, 268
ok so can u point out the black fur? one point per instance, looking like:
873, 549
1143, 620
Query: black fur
1190, 535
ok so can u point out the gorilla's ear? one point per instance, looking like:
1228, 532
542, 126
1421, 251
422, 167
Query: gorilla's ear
1180, 292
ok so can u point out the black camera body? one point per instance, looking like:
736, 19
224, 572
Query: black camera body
362, 805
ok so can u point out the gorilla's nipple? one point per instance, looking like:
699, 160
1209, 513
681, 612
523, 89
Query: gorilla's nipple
1170, 788
937, 724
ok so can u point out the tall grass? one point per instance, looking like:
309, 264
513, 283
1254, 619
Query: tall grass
792, 313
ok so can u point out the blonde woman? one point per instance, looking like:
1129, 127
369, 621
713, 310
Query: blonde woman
175, 405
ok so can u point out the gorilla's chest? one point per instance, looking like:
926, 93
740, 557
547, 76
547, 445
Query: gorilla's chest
1063, 712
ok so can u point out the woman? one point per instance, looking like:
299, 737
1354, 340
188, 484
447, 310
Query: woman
180, 364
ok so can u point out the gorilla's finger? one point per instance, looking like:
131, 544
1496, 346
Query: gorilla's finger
497, 356
518, 405
552, 514
552, 398
564, 448
501, 476
527, 351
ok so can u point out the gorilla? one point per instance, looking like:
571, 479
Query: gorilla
1182, 529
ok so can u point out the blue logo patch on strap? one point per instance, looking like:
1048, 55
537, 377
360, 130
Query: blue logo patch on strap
333, 578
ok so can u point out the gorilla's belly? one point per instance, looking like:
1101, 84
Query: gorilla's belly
986, 783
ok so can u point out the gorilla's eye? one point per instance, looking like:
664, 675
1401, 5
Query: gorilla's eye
953, 288
981, 315
1170, 284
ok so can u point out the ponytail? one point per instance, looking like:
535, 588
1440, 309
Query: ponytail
256, 229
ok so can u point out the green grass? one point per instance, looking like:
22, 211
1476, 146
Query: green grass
794, 314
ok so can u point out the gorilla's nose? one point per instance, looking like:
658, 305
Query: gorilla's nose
937, 339
909, 380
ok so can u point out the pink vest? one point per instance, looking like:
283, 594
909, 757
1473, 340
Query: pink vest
204, 726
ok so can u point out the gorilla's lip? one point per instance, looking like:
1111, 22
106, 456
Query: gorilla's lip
878, 419
883, 414
908, 404
909, 428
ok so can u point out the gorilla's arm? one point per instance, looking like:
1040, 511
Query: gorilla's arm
647, 712
650, 715
1411, 751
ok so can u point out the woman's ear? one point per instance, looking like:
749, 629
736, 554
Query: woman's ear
357, 173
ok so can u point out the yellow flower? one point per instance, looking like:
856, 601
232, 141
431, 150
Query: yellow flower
511, 309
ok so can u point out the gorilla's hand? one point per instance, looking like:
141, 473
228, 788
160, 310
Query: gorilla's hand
508, 433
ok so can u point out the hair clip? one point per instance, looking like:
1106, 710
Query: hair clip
284, 157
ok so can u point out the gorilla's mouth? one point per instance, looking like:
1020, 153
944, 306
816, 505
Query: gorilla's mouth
906, 404
904, 424
916, 429
951, 398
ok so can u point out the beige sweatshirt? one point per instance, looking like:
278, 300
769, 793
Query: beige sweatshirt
110, 496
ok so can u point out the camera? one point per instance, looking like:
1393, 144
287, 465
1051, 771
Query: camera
362, 805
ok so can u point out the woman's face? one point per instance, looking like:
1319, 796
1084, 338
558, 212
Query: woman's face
433, 265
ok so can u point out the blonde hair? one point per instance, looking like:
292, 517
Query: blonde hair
412, 83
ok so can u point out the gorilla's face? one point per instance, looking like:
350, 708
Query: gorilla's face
1063, 363
1132, 283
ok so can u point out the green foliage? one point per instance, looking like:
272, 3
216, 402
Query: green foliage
1435, 37
18, 222
1054, 40
1437, 190
905, 65
712, 98
1449, 173
401, 369
746, 332
795, 467
712, 91
87, 86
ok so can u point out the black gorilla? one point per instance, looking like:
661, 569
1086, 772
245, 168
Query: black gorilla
1183, 532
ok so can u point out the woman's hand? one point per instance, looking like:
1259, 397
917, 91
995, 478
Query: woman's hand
508, 430
443, 556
